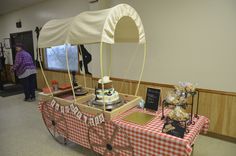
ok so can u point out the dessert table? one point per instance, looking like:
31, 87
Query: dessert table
149, 139
120, 137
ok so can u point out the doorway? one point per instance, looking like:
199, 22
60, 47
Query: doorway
26, 38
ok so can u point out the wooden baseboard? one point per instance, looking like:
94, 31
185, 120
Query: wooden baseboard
221, 137
204, 90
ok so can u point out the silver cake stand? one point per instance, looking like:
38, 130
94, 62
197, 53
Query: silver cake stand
109, 106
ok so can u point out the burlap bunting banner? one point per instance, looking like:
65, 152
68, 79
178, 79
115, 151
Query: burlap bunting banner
91, 121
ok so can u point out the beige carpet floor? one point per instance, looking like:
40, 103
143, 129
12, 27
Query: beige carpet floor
22, 133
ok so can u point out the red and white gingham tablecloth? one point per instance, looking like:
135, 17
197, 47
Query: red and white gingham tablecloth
144, 140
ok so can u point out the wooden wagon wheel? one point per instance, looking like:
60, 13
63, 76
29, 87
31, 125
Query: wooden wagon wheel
53, 123
108, 140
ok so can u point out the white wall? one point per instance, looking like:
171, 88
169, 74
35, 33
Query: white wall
187, 41
38, 15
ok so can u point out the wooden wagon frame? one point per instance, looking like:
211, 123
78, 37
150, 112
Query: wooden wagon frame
120, 24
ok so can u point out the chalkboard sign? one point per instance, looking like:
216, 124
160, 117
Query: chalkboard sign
152, 98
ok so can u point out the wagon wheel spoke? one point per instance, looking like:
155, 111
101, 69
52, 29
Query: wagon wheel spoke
128, 141
99, 136
116, 153
53, 119
105, 152
105, 132
59, 129
48, 116
45, 112
64, 132
47, 121
97, 145
54, 131
124, 148
114, 134
59, 120
49, 125
44, 107
48, 112
58, 132
53, 113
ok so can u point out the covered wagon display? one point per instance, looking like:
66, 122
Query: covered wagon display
95, 119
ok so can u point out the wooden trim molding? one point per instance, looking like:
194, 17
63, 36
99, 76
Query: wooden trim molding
216, 92
172, 86
156, 84
221, 137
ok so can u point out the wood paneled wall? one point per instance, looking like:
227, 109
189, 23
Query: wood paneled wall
218, 106
221, 110
10, 76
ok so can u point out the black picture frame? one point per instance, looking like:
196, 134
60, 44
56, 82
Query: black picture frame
153, 98
7, 43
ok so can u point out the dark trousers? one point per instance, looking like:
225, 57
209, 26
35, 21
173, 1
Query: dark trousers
1, 83
29, 86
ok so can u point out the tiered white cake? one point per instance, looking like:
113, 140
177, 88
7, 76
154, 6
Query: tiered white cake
110, 95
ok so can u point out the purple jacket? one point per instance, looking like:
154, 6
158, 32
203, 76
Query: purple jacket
23, 61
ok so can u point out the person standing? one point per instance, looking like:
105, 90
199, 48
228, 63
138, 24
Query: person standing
26, 71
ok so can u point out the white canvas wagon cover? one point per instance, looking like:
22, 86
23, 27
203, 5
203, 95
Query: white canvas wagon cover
118, 24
